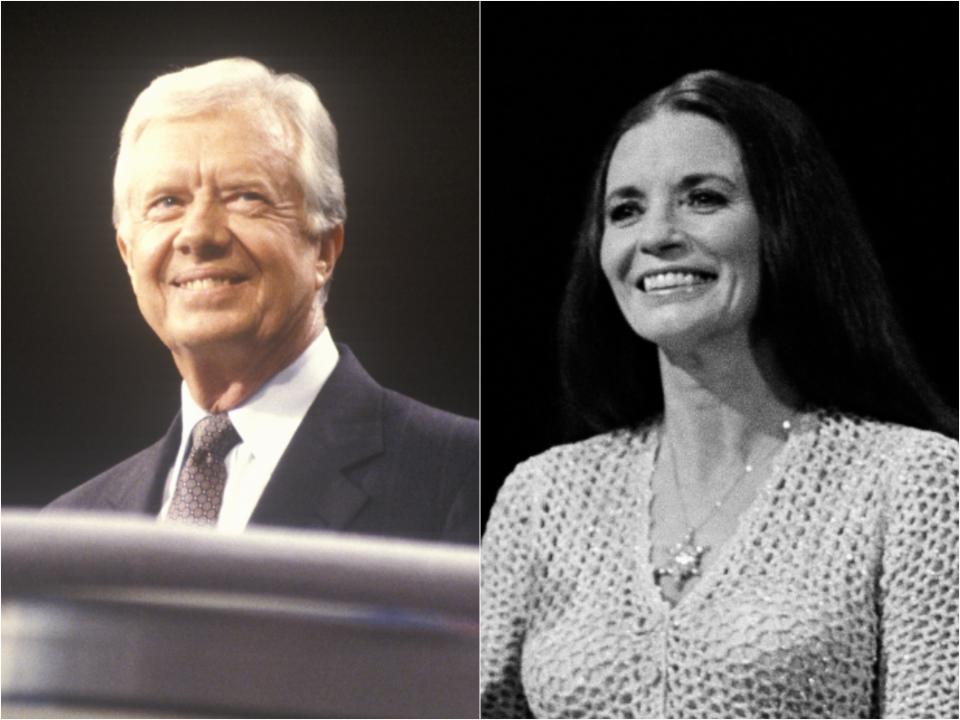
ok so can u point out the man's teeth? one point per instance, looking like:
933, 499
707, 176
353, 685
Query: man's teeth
662, 281
205, 283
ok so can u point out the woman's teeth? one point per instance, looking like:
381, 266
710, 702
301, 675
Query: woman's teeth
670, 280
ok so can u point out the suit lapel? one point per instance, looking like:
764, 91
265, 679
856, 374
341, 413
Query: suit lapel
343, 427
141, 490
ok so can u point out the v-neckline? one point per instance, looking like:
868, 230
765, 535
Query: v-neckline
804, 424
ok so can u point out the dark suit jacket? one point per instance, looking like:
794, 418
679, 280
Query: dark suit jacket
363, 460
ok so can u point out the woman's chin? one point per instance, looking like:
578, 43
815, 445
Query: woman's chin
690, 337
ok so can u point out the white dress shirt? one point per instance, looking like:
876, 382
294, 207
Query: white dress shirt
266, 423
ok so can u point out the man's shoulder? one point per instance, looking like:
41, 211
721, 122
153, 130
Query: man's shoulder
428, 437
124, 486
99, 492
416, 466
414, 417
407, 423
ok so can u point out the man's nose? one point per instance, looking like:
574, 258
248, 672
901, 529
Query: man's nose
658, 232
204, 230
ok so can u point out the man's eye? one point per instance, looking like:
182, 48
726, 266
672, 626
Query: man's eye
251, 197
163, 207
706, 199
624, 213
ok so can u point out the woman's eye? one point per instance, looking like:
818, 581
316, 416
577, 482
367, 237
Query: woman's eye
624, 213
706, 199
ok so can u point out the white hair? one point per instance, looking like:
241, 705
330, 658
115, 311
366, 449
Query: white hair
245, 84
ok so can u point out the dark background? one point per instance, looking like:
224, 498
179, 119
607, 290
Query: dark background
879, 80
85, 382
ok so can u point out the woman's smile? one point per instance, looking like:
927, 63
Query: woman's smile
662, 281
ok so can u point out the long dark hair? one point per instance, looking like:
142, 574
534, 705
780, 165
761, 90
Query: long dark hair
824, 304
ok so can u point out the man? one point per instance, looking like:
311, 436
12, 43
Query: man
229, 212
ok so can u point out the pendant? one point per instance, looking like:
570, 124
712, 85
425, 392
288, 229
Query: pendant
685, 562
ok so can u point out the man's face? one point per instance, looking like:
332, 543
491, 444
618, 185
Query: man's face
214, 243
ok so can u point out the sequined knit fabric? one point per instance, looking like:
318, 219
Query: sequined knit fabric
836, 597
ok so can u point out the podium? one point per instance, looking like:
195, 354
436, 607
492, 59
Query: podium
109, 616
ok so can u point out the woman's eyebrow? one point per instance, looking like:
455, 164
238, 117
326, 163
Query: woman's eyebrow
624, 191
695, 179
687, 182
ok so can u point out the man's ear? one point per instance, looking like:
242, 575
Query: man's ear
329, 247
124, 249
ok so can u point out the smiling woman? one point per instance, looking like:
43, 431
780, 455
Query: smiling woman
748, 533
681, 243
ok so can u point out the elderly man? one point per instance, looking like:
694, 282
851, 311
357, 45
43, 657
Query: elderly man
229, 211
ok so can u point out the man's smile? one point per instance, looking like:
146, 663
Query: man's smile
207, 279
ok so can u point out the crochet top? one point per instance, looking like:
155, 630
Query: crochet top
835, 597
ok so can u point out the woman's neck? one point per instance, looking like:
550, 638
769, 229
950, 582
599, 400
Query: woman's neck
723, 408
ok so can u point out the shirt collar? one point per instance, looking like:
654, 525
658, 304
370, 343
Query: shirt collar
267, 421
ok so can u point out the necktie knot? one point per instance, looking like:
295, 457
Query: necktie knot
199, 490
214, 437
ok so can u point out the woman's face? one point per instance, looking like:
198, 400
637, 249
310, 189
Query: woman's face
681, 238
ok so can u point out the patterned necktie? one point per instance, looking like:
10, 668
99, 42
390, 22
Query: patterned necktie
200, 485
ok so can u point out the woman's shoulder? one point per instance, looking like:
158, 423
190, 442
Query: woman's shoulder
883, 440
911, 461
557, 467
589, 449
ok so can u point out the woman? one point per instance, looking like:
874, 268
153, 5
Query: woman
766, 525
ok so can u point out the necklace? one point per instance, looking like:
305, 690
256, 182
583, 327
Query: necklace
686, 555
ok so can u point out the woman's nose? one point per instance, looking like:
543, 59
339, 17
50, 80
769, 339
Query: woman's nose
658, 232
204, 230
